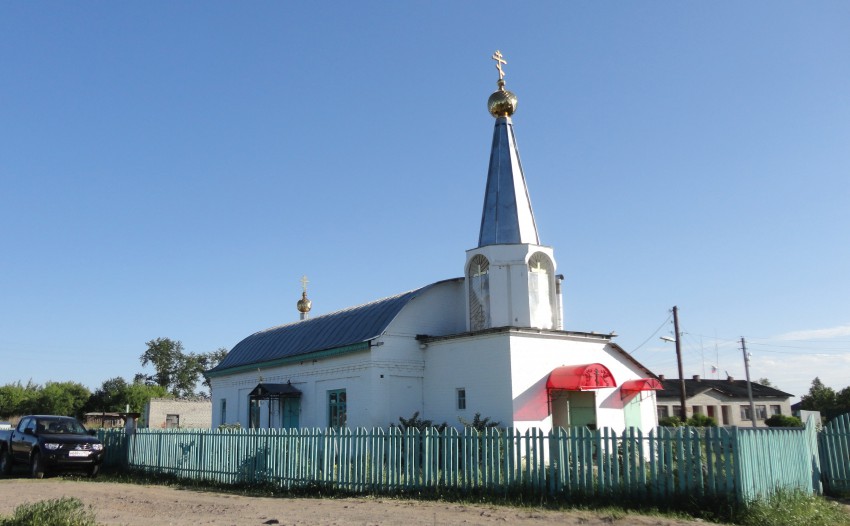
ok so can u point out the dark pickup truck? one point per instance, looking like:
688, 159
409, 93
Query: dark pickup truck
47, 443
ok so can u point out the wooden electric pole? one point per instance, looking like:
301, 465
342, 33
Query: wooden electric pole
749, 385
682, 392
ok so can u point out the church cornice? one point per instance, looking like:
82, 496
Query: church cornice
529, 331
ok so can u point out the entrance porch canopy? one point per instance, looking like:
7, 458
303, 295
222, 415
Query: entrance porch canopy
580, 378
631, 387
274, 392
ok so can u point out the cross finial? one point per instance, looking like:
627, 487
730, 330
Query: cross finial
497, 56
304, 282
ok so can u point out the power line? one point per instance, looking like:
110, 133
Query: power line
652, 335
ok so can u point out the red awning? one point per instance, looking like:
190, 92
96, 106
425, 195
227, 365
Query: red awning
631, 387
580, 377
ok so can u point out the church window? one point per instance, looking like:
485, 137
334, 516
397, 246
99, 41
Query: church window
775, 410
479, 293
745, 413
540, 287
337, 415
461, 398
761, 412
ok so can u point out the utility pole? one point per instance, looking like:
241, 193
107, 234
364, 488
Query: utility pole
682, 393
749, 385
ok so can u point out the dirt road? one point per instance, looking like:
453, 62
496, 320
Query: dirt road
136, 505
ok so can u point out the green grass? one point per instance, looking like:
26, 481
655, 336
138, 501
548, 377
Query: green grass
792, 509
67, 511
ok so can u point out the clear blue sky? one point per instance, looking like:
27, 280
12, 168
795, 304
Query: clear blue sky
171, 169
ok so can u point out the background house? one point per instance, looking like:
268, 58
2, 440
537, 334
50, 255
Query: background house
726, 400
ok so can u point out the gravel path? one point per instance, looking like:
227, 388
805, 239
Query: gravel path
137, 505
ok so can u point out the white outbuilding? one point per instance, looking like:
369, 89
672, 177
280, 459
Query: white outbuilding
491, 342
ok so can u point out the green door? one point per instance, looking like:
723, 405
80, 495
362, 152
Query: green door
573, 408
290, 409
631, 412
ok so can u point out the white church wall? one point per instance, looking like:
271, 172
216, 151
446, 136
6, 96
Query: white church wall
314, 378
478, 364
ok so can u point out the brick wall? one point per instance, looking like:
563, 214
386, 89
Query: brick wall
188, 413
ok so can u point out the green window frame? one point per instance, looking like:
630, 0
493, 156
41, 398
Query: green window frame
337, 408
461, 398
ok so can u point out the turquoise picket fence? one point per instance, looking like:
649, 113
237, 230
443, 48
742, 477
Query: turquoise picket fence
834, 442
566, 463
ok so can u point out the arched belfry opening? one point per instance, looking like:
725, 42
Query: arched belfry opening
478, 281
541, 291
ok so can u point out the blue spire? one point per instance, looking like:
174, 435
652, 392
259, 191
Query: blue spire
507, 217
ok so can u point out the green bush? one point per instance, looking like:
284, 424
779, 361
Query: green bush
418, 423
783, 421
67, 511
700, 420
671, 421
478, 423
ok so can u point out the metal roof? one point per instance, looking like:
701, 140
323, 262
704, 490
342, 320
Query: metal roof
731, 388
507, 217
348, 327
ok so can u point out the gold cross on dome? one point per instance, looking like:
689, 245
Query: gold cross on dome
497, 56
304, 282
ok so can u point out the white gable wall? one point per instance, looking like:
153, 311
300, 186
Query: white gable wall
534, 357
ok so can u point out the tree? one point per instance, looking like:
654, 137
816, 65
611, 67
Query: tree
175, 370
62, 398
17, 399
842, 400
820, 398
138, 395
210, 360
765, 382
111, 396
166, 356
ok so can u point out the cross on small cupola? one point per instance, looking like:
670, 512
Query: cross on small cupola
304, 305
497, 56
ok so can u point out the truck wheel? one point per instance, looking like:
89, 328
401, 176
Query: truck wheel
37, 469
5, 464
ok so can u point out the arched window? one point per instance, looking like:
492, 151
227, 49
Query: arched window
540, 290
478, 278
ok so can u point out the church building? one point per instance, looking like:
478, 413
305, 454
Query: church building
491, 342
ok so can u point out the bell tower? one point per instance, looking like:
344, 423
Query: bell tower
510, 276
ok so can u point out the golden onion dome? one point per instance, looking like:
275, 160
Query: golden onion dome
304, 305
502, 103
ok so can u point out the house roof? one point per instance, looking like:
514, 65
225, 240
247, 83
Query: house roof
342, 330
730, 388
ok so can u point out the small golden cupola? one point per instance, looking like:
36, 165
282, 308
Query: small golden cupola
304, 305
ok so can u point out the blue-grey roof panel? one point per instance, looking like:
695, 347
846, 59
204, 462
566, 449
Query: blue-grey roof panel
330, 331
